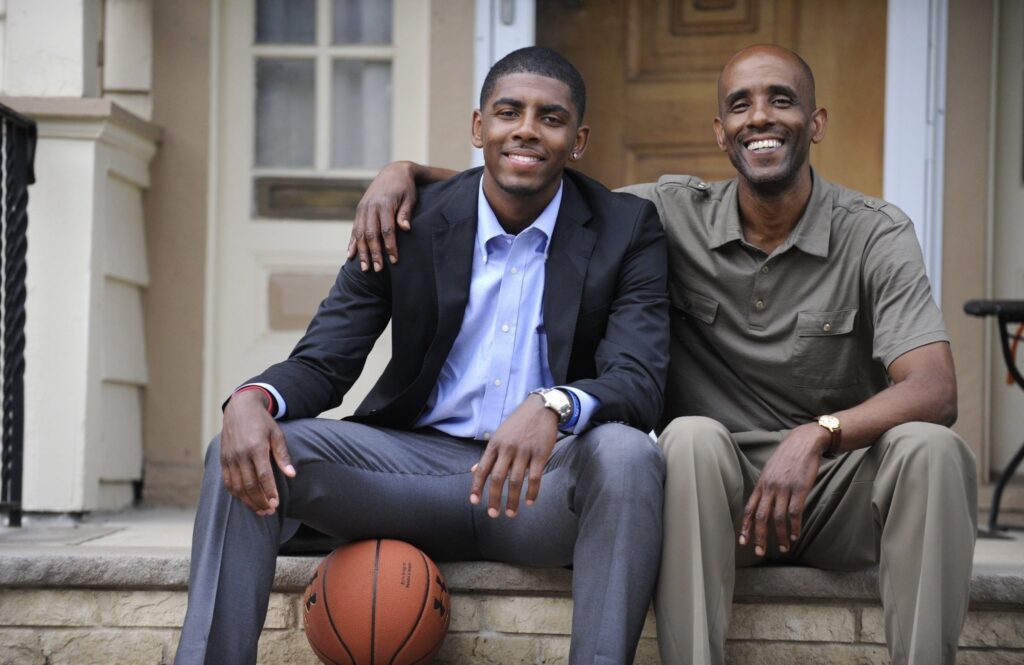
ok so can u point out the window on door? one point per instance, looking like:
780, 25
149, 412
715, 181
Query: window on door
323, 104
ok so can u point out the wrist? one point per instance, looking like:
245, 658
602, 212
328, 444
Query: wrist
829, 424
253, 396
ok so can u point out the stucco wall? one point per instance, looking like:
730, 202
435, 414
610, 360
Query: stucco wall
452, 98
966, 204
176, 217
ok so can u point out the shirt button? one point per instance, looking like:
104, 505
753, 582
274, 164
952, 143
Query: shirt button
504, 327
514, 270
764, 270
759, 305
487, 435
827, 327
497, 382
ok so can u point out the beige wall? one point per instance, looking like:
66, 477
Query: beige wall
176, 242
452, 98
176, 213
968, 107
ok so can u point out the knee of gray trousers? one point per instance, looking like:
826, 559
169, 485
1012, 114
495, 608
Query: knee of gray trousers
617, 447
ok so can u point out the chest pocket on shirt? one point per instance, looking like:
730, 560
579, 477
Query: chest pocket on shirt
824, 349
691, 311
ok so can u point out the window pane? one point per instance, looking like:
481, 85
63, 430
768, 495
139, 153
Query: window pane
285, 120
361, 114
285, 21
362, 21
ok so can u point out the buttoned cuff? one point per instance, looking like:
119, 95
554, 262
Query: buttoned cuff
587, 405
282, 408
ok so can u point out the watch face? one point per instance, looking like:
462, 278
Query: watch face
829, 422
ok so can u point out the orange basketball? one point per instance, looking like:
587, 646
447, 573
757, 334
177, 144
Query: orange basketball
376, 601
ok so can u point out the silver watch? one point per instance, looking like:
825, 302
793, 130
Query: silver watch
557, 401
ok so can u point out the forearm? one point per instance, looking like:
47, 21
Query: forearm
424, 174
923, 389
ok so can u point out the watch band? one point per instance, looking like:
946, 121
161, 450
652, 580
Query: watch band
835, 430
558, 401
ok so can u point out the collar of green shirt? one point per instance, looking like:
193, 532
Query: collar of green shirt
811, 234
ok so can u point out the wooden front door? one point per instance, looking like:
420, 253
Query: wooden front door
651, 68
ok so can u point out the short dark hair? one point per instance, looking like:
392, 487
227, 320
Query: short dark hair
543, 62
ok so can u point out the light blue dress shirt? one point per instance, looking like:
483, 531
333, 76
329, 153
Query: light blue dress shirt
501, 351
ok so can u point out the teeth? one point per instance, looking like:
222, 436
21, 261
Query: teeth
763, 144
525, 159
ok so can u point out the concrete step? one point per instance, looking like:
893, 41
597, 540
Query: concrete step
109, 605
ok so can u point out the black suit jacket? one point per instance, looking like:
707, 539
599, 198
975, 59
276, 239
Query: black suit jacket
605, 309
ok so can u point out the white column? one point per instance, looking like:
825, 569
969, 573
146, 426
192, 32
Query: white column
915, 121
85, 361
51, 48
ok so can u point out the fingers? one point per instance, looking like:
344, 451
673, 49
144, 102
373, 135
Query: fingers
780, 518
357, 243
279, 449
387, 234
481, 470
748, 515
496, 484
761, 514
404, 217
796, 514
372, 236
536, 473
516, 477
755, 520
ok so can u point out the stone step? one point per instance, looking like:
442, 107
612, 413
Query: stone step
105, 606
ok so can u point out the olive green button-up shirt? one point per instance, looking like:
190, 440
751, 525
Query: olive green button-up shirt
769, 342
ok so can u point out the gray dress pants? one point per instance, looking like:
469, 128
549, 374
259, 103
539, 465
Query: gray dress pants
907, 504
599, 510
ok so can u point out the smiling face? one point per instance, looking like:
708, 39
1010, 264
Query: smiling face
767, 120
527, 130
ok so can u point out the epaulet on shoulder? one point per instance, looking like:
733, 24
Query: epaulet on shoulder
690, 181
893, 213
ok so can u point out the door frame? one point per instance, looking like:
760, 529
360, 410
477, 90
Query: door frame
913, 164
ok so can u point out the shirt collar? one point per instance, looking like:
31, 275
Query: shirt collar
488, 227
811, 233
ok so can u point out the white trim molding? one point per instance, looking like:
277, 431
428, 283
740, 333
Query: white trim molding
915, 121
502, 26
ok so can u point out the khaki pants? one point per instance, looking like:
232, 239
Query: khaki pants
907, 504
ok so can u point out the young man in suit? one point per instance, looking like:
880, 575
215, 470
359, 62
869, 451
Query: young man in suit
811, 384
530, 334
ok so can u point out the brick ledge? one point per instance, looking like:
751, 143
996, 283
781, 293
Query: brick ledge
992, 585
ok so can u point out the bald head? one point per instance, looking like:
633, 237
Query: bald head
773, 52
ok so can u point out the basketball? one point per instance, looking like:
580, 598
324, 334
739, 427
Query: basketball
376, 601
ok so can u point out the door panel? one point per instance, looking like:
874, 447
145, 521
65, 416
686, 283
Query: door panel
651, 68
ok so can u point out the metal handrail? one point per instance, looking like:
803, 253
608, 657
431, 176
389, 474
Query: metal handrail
18, 145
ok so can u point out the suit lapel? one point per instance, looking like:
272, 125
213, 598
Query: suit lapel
564, 275
454, 237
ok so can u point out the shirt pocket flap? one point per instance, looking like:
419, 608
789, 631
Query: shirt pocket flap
825, 324
695, 305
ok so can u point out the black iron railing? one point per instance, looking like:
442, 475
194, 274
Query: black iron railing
17, 146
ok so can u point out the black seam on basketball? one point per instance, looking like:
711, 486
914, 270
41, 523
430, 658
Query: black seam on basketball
373, 608
423, 608
327, 608
322, 656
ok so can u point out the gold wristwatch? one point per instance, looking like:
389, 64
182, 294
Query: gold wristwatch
831, 423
